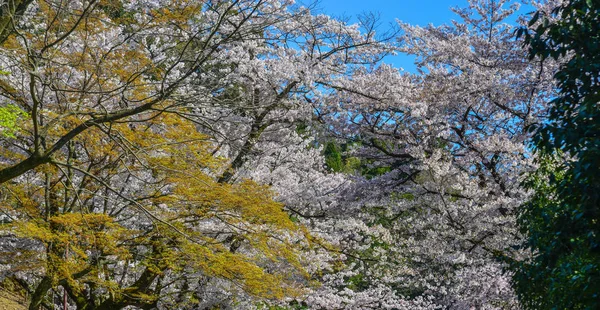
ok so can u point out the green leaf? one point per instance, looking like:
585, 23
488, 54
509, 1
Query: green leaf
9, 117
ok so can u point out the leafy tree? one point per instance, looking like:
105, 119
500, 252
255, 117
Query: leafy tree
140, 227
562, 220
333, 157
108, 186
123, 179
9, 116
140, 56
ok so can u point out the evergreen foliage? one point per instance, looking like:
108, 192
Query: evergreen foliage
562, 219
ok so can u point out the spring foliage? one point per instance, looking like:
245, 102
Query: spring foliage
561, 220
245, 154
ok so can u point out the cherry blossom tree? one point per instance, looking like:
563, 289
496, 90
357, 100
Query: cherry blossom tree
447, 148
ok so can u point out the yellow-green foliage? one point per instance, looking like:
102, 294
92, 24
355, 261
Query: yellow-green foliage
80, 204
179, 158
9, 118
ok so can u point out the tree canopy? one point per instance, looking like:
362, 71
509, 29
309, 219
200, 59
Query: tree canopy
561, 220
243, 154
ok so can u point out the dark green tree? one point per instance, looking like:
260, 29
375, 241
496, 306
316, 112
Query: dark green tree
562, 220
333, 157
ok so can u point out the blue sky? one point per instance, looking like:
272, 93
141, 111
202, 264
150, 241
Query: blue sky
416, 12
421, 12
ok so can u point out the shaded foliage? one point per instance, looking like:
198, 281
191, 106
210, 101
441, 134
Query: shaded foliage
562, 220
